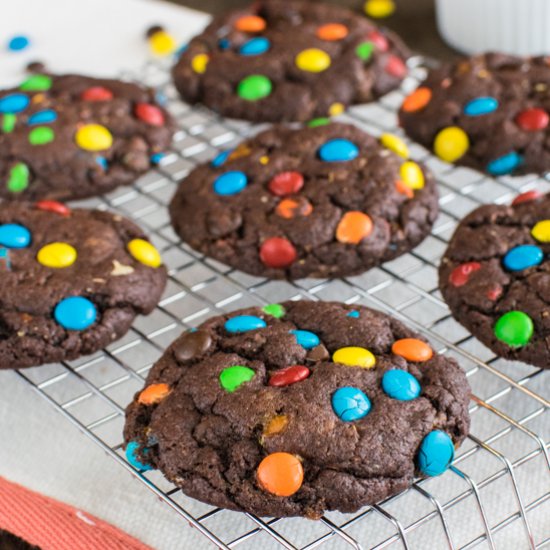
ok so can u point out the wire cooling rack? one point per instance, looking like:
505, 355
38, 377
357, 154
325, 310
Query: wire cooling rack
496, 494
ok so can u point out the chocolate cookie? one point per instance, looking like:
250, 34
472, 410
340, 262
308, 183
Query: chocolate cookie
71, 281
282, 60
488, 112
8, 541
69, 137
495, 276
328, 201
297, 408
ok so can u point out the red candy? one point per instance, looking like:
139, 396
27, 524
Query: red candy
532, 120
494, 293
277, 252
396, 67
459, 275
54, 206
97, 93
150, 114
286, 183
526, 197
379, 40
289, 375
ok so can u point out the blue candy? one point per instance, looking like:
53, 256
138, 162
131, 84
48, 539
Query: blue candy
436, 453
230, 183
338, 150
350, 404
13, 103
156, 158
481, 106
220, 159
306, 339
523, 257
43, 117
131, 456
18, 43
505, 164
400, 385
224, 43
255, 46
102, 161
13, 235
353, 314
181, 50
244, 323
75, 313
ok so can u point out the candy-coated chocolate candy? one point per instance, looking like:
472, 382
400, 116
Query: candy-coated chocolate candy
412, 349
435, 454
353, 227
9, 121
403, 189
541, 231
75, 313
412, 175
18, 178
162, 43
41, 135
313, 60
395, 144
43, 117
316, 122
451, 143
365, 50
230, 183
221, 158
289, 375
154, 394
514, 328
244, 323
199, 62
505, 164
232, 378
527, 197
132, 450
275, 310
417, 100
396, 66
18, 43
277, 252
533, 120
494, 293
144, 252
338, 150
224, 43
523, 257
306, 339
36, 83
264, 159
150, 114
14, 235
336, 109
378, 9
194, 343
353, 314
379, 40
93, 137
53, 206
57, 255
400, 385
102, 161
350, 404
96, 93
255, 46
280, 474
250, 23
292, 208
241, 151
481, 106
276, 425
13, 103
286, 183
332, 32
254, 87
461, 274
354, 356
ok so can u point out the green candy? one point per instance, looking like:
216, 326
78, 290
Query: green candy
254, 87
41, 135
275, 310
514, 328
232, 378
36, 83
322, 121
8, 122
18, 180
364, 50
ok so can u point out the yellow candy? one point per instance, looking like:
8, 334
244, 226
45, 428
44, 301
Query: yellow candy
412, 175
57, 255
162, 43
541, 231
144, 252
264, 160
451, 143
93, 137
199, 62
379, 8
313, 60
354, 357
395, 144
336, 109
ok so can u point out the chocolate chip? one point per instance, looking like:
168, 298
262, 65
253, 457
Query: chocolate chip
153, 30
317, 354
192, 345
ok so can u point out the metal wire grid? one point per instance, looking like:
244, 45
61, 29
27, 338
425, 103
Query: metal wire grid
496, 494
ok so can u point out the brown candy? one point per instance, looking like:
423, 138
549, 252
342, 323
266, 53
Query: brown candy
192, 345
317, 354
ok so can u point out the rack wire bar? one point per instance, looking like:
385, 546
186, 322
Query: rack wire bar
497, 492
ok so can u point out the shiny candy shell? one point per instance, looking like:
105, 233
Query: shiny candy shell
412, 349
350, 404
132, 450
221, 158
353, 227
57, 255
527, 197
533, 120
41, 135
378, 9
395, 66
36, 83
313, 60
364, 50
332, 32
280, 474
244, 323
523, 257
400, 385
338, 150
93, 137
53, 206
250, 23
144, 252
305, 338
14, 103
289, 375
191, 345
481, 106
294, 207
514, 328
505, 164
150, 114
417, 100
286, 183
395, 144
154, 394
435, 454
255, 46
75, 313
43, 117
18, 178
200, 62
460, 275
96, 93
275, 310
162, 43
232, 378
412, 175
541, 231
354, 356
277, 252
451, 143
254, 87
14, 235
230, 183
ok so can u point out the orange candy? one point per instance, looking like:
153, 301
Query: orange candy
154, 394
250, 23
276, 425
332, 32
280, 474
417, 100
290, 208
412, 349
353, 227
404, 189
